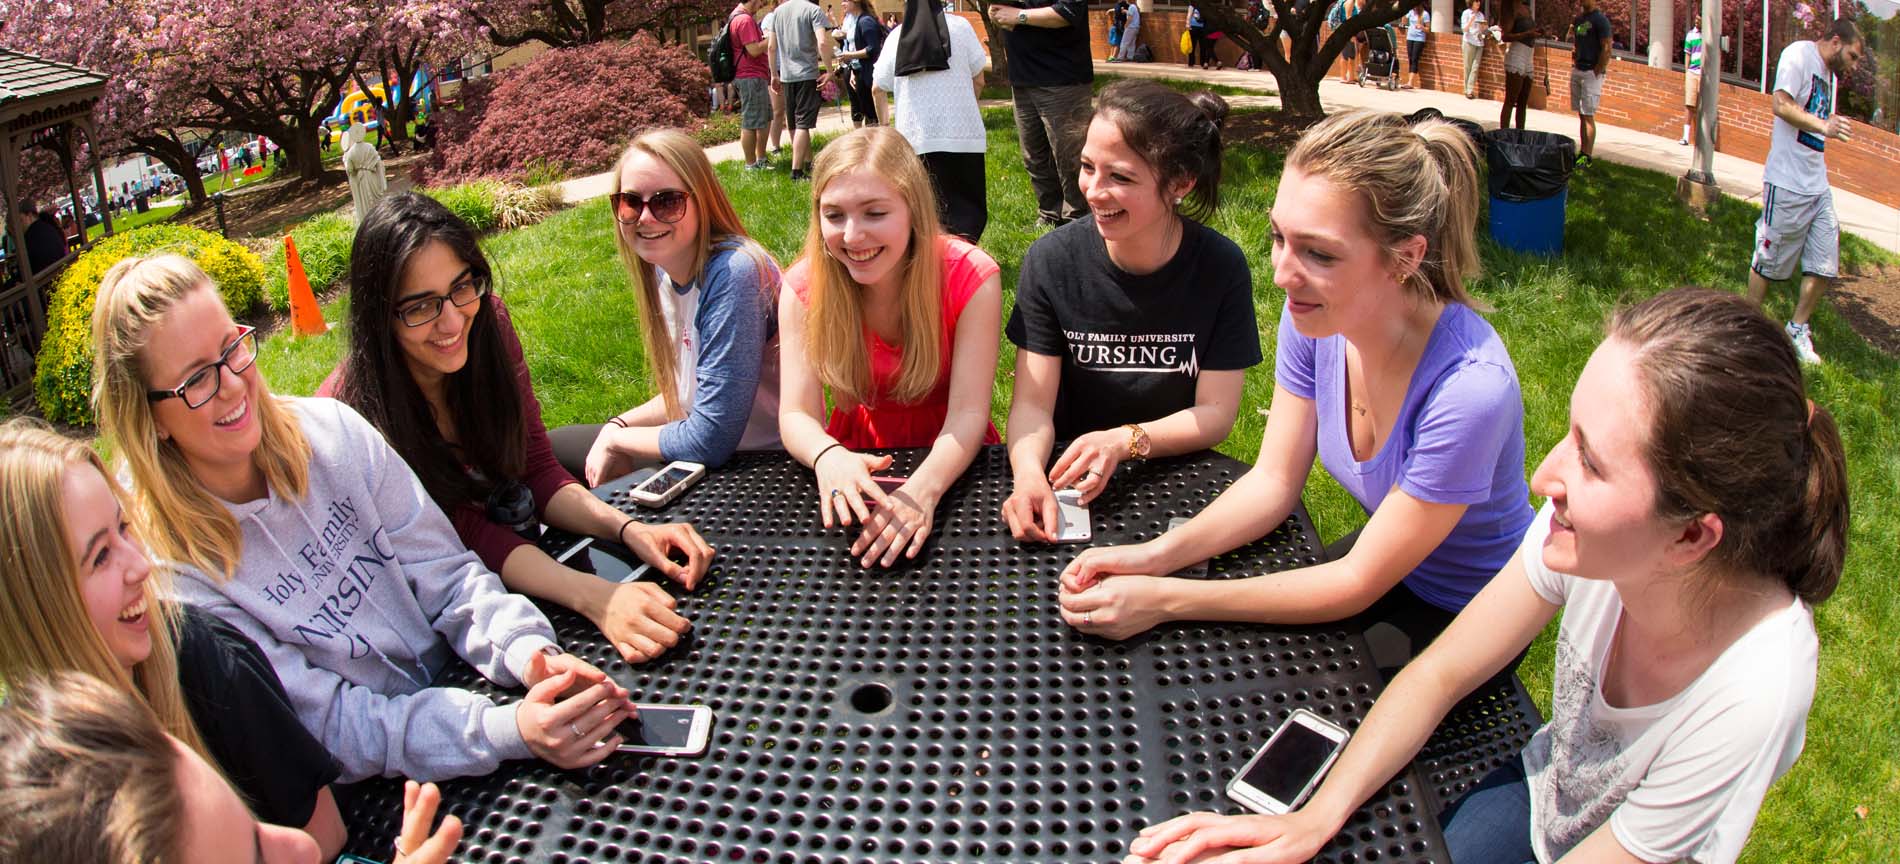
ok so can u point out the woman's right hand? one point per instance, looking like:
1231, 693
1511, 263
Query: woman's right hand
844, 483
604, 459
1204, 837
1031, 509
416, 845
638, 620
577, 731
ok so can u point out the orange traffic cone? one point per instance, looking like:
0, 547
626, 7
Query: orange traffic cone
305, 316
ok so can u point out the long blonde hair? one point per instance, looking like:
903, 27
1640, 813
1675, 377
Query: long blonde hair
834, 305
178, 518
44, 627
1416, 181
718, 222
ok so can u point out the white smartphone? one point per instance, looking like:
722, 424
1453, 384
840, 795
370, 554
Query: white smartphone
660, 489
1192, 571
666, 730
1072, 518
1285, 771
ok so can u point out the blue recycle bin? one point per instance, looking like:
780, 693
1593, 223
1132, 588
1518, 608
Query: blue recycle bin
1529, 179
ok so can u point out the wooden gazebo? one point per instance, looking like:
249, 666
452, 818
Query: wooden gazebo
42, 103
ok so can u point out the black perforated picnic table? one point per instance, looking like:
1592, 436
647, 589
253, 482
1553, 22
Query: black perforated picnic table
941, 711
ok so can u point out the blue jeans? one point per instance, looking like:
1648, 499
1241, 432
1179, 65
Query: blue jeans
1492, 823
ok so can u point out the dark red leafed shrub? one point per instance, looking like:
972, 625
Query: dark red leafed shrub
570, 110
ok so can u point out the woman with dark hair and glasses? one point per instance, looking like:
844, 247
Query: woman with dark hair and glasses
704, 294
434, 363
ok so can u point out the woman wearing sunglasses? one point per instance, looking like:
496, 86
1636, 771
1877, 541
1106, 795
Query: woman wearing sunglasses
294, 521
704, 293
434, 363
901, 322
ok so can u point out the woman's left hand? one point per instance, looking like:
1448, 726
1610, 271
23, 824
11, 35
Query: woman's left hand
1210, 838
1089, 461
656, 543
543, 666
898, 526
1114, 607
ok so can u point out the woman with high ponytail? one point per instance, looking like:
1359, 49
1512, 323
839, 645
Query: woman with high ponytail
1134, 324
1697, 510
1386, 373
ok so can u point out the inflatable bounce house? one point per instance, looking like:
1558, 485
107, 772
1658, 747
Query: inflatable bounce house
359, 107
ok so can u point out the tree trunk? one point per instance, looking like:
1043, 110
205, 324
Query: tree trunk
999, 55
302, 149
173, 154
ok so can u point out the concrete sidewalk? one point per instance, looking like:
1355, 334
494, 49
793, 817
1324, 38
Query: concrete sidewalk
1739, 178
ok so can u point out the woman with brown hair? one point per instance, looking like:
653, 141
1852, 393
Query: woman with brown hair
1696, 513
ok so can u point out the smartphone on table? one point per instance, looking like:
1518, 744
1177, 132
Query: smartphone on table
665, 485
1291, 765
1197, 570
666, 730
1072, 517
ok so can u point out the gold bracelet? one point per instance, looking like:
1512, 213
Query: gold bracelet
1138, 446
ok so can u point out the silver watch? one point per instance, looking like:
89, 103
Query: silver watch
1022, 17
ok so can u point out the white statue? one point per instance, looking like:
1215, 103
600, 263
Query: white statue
364, 167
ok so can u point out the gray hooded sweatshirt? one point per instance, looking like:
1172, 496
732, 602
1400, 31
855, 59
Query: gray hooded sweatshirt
360, 595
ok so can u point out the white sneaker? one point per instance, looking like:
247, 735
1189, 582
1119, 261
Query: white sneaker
1803, 338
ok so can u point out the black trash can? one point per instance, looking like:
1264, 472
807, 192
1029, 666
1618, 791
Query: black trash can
1530, 185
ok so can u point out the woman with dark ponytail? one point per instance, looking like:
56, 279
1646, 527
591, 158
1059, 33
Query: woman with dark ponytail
1696, 512
1135, 324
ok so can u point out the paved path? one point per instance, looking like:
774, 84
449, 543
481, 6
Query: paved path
1738, 177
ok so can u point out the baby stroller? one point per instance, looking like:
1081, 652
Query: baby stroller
1382, 64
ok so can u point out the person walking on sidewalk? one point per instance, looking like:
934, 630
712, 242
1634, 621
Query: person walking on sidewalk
1591, 31
1473, 24
1797, 206
1418, 24
798, 47
1050, 78
754, 82
1692, 77
1520, 40
1131, 35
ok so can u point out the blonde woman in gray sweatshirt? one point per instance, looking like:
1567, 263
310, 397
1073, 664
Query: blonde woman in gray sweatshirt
293, 520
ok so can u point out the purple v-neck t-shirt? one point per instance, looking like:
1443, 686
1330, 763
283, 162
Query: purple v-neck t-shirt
1458, 439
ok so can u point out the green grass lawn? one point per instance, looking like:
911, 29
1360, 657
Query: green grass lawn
131, 220
1627, 239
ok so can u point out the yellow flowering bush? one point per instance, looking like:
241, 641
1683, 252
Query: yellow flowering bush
62, 379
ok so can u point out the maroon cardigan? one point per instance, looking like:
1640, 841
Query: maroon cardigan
491, 541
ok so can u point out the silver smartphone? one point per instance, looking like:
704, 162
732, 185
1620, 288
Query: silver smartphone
666, 730
660, 489
1072, 518
1192, 571
1291, 765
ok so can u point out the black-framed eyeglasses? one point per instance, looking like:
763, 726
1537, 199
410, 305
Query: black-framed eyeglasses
202, 385
667, 205
466, 290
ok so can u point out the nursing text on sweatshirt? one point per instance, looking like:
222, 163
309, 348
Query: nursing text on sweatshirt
361, 594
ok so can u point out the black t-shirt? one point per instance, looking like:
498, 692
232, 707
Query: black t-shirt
1132, 347
247, 723
1589, 30
1051, 57
45, 243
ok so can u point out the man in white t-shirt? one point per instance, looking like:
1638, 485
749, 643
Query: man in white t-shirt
1797, 206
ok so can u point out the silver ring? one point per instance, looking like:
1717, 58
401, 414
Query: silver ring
836, 492
577, 731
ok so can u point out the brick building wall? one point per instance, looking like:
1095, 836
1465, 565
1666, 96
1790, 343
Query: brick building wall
1635, 96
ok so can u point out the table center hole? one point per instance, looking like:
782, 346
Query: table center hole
871, 698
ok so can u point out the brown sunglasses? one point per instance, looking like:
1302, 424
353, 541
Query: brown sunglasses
668, 206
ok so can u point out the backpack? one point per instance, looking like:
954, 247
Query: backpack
720, 59
1143, 54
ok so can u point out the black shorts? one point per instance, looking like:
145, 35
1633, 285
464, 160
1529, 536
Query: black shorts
802, 104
